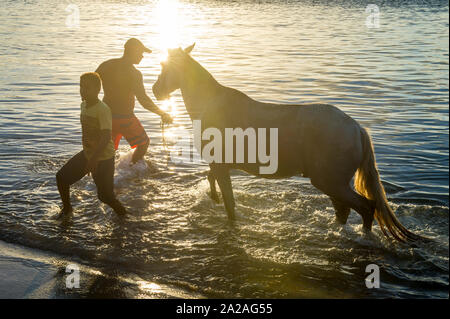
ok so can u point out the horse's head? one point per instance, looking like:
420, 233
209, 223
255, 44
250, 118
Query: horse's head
170, 78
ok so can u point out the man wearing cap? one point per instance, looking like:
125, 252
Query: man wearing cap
122, 82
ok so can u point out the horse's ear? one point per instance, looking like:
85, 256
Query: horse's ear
189, 48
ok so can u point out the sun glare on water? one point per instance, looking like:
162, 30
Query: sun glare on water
169, 22
169, 106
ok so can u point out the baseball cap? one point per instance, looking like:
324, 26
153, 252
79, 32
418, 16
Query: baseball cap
135, 44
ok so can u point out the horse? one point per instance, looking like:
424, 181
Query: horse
316, 141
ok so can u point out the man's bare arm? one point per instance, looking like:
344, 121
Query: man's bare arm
143, 98
148, 104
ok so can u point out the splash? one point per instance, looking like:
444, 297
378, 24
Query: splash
126, 170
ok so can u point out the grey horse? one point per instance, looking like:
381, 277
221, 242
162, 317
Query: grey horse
317, 141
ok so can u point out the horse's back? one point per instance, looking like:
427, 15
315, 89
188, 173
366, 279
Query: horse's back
311, 137
240, 107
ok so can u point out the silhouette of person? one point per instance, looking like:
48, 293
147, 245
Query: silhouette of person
122, 82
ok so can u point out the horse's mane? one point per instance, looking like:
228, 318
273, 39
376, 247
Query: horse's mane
189, 64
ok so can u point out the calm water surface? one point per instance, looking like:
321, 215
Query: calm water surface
285, 243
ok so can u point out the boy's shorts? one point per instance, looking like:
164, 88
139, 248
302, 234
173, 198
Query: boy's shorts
129, 127
75, 169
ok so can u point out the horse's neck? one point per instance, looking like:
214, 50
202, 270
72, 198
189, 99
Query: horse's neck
199, 89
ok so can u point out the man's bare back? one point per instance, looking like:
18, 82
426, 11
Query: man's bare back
121, 83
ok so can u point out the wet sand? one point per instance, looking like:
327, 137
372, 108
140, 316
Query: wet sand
32, 274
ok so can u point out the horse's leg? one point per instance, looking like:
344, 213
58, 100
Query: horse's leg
342, 211
223, 179
359, 203
212, 185
348, 197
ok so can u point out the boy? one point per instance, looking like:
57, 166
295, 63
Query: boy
97, 156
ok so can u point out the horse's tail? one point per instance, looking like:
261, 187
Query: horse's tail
368, 184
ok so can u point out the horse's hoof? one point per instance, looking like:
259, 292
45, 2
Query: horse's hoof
368, 221
231, 216
341, 221
215, 198
367, 225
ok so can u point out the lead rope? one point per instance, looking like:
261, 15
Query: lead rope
162, 129
162, 125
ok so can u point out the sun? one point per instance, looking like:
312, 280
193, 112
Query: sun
169, 22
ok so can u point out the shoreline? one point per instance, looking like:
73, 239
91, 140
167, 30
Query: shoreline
27, 273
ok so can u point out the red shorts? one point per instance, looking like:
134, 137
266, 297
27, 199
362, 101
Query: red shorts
129, 127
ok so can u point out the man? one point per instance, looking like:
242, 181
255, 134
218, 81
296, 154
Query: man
122, 82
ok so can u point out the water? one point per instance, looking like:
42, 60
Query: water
285, 243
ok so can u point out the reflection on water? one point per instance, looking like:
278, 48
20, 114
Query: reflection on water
394, 80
